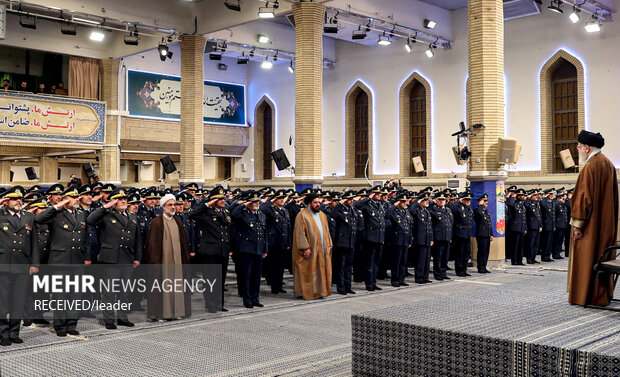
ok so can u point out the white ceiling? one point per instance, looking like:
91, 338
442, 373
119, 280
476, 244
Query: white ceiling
447, 4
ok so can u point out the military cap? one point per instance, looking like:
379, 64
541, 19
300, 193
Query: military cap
335, 196
71, 191
40, 202
217, 193
427, 189
133, 198
85, 190
349, 194
512, 188
15, 192
401, 196
424, 195
484, 196
561, 190
34, 188
465, 195
560, 195
269, 193
55, 189
317, 191
108, 187
253, 196
306, 191
376, 190
118, 193
294, 195
236, 191
384, 191
289, 191
178, 198
151, 194
570, 190
363, 192
326, 194
440, 195
521, 192
97, 186
549, 191
201, 192
393, 189
192, 186
32, 196
280, 194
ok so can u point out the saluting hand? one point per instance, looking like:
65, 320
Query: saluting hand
110, 204
210, 203
62, 203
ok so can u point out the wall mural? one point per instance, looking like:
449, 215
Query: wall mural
152, 95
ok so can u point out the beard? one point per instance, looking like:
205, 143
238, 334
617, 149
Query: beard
254, 207
74, 206
16, 207
121, 209
582, 157
169, 213
315, 209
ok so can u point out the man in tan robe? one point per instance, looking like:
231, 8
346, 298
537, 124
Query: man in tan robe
168, 248
312, 251
594, 217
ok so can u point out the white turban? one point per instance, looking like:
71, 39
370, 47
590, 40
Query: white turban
167, 198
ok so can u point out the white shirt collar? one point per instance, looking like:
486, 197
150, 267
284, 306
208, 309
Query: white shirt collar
592, 155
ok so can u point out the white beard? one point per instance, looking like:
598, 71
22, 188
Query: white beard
169, 213
583, 157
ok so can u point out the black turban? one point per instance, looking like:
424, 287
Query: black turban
310, 197
592, 139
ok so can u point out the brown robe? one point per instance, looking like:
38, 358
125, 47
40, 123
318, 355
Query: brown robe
594, 209
153, 254
312, 277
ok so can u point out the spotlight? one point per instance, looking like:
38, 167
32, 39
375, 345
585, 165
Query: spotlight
556, 6
68, 29
384, 40
266, 11
330, 28
235, 7
266, 64
368, 26
574, 16
243, 59
132, 39
430, 24
164, 51
430, 53
358, 34
96, 35
408, 46
252, 53
593, 26
290, 67
261, 38
275, 57
28, 22
215, 56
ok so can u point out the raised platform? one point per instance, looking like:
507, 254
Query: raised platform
524, 328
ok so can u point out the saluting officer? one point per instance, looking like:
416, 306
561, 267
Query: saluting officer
560, 223
374, 235
121, 248
148, 210
214, 222
510, 197
442, 235
69, 245
191, 189
251, 245
517, 227
19, 257
567, 235
359, 259
400, 238
54, 193
278, 238
534, 226
461, 232
484, 233
345, 234
182, 210
547, 210
422, 238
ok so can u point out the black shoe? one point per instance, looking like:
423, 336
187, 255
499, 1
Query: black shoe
258, 304
535, 261
404, 284
274, 292
520, 264
558, 257
446, 277
378, 288
109, 326
370, 289
61, 333
16, 340
124, 322
350, 291
225, 290
466, 274
420, 281
224, 310
409, 274
283, 291
248, 306
5, 342
487, 271
546, 260
530, 262
396, 285
448, 269
27, 323
427, 281
438, 278
344, 293
41, 321
73, 332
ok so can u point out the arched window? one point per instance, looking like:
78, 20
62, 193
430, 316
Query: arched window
264, 129
417, 121
361, 134
267, 143
565, 112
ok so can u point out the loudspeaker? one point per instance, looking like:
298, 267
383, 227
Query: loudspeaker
11, 176
507, 150
457, 158
567, 159
58, 175
279, 157
31, 173
168, 165
88, 169
418, 166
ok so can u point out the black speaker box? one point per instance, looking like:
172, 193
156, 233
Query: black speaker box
88, 169
168, 165
32, 175
279, 157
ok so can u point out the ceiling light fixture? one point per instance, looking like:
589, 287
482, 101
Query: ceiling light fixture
594, 25
243, 59
261, 38
133, 38
359, 33
384, 40
266, 64
408, 46
267, 11
556, 6
235, 7
77, 19
429, 52
430, 24
164, 51
96, 35
68, 29
574, 16
290, 67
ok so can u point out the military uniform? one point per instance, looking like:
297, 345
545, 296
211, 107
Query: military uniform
534, 226
442, 219
567, 233
516, 228
484, 234
422, 240
560, 223
547, 210
19, 249
279, 241
461, 234
399, 238
374, 237
345, 236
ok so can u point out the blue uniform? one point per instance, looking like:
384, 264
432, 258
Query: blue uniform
484, 232
374, 236
442, 236
461, 233
422, 239
344, 239
400, 237
516, 227
534, 226
560, 224
547, 209
279, 241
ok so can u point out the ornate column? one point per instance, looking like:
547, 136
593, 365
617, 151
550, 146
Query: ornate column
110, 155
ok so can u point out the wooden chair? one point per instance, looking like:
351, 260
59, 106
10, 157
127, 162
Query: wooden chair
605, 267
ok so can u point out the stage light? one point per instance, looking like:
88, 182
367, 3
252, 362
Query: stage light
132, 39
593, 26
164, 51
261, 38
408, 46
68, 29
215, 56
430, 24
275, 57
28, 22
266, 64
243, 59
429, 52
556, 6
266, 12
574, 16
330, 28
358, 34
384, 40
252, 53
96, 35
235, 7
290, 67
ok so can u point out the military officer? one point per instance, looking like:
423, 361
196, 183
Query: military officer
399, 238
547, 211
251, 245
422, 238
484, 233
560, 223
214, 222
374, 235
534, 226
510, 197
121, 248
442, 219
19, 258
182, 209
567, 235
517, 227
461, 232
279, 239
54, 193
359, 259
346, 226
69, 246
133, 202
148, 210
191, 189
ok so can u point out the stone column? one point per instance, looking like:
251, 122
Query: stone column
192, 128
5, 173
485, 105
110, 155
48, 171
308, 93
